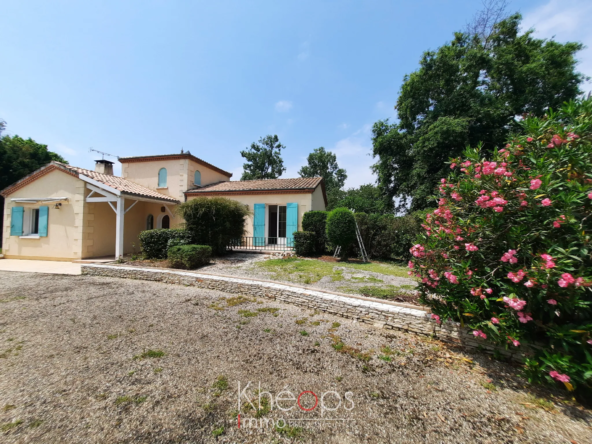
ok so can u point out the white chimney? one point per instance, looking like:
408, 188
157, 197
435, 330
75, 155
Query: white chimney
104, 167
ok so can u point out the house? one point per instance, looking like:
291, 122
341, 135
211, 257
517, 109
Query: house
62, 212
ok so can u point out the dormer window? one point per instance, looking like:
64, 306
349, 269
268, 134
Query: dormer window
162, 178
197, 178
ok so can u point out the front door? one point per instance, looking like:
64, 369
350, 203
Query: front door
277, 225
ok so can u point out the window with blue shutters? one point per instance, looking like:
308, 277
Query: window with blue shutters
42, 221
16, 221
291, 222
162, 178
259, 225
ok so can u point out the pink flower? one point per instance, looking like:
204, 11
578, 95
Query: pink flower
469, 273
524, 318
452, 166
558, 376
589, 341
546, 202
551, 302
478, 176
498, 209
509, 257
418, 250
488, 290
590, 196
529, 139
556, 224
516, 304
443, 180
436, 318
456, 247
479, 334
516, 277
566, 280
529, 284
523, 203
410, 264
471, 247
456, 196
494, 320
451, 278
514, 341
535, 184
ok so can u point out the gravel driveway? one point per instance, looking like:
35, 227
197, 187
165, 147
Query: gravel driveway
86, 359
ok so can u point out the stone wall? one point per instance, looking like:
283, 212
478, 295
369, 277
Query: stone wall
382, 315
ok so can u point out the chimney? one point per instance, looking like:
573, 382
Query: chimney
104, 167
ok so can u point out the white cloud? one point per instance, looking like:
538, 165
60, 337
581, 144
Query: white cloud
283, 106
565, 20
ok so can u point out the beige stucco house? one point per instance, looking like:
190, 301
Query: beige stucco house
62, 212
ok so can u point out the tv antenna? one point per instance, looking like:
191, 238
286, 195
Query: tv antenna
91, 149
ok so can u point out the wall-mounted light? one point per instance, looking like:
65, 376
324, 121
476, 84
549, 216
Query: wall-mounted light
58, 205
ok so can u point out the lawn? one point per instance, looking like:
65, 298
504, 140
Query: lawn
87, 359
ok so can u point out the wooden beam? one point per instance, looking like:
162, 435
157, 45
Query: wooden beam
132, 206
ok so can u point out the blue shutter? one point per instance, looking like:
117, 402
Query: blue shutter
291, 223
16, 221
259, 225
162, 178
197, 178
43, 216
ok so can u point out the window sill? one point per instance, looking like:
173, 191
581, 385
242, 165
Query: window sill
29, 236
162, 188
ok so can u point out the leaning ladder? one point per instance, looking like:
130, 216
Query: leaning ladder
360, 244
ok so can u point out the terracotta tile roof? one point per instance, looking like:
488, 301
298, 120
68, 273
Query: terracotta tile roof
127, 187
302, 183
119, 183
173, 157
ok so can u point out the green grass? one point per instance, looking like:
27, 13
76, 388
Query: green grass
289, 431
218, 432
374, 291
268, 310
35, 423
150, 354
247, 313
158, 370
129, 400
221, 383
312, 270
304, 333
11, 425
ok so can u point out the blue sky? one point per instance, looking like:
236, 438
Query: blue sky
151, 77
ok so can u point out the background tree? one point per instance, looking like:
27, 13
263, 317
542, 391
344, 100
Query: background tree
483, 24
322, 163
366, 199
264, 160
18, 158
468, 91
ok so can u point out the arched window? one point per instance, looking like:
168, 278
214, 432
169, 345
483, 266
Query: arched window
164, 221
197, 178
150, 222
162, 178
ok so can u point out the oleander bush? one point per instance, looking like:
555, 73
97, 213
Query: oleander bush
305, 243
189, 257
155, 243
507, 252
316, 222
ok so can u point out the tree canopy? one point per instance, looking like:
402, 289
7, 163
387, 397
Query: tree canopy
264, 159
322, 163
470, 90
366, 199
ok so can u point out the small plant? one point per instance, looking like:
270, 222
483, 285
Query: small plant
268, 310
221, 383
11, 425
304, 333
8, 407
385, 358
339, 378
115, 336
35, 423
489, 386
267, 330
335, 325
247, 313
301, 321
150, 354
217, 432
158, 370
317, 344
289, 431
264, 408
189, 257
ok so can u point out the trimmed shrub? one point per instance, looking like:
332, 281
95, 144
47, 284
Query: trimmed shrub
305, 243
155, 243
189, 257
341, 229
316, 222
507, 253
214, 221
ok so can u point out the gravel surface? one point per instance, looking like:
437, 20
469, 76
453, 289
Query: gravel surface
86, 359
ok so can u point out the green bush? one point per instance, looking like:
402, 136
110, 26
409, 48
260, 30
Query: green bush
155, 243
507, 252
214, 221
341, 229
316, 222
305, 243
189, 257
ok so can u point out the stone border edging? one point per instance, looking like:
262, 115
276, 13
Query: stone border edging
380, 314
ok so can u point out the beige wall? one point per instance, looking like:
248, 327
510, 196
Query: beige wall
318, 201
64, 231
304, 202
180, 174
208, 176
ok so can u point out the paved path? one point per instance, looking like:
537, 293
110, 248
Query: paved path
52, 267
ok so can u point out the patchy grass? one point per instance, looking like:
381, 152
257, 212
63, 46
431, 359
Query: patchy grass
237, 300
18, 298
217, 432
534, 402
489, 385
268, 310
301, 321
289, 431
221, 383
158, 370
340, 346
130, 400
247, 313
8, 407
304, 333
115, 336
150, 354
35, 423
335, 325
369, 279
11, 425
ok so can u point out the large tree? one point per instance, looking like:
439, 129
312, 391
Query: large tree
471, 90
264, 159
366, 199
322, 163
18, 158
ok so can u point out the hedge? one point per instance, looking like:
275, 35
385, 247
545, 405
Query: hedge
189, 257
341, 229
316, 222
305, 243
155, 243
